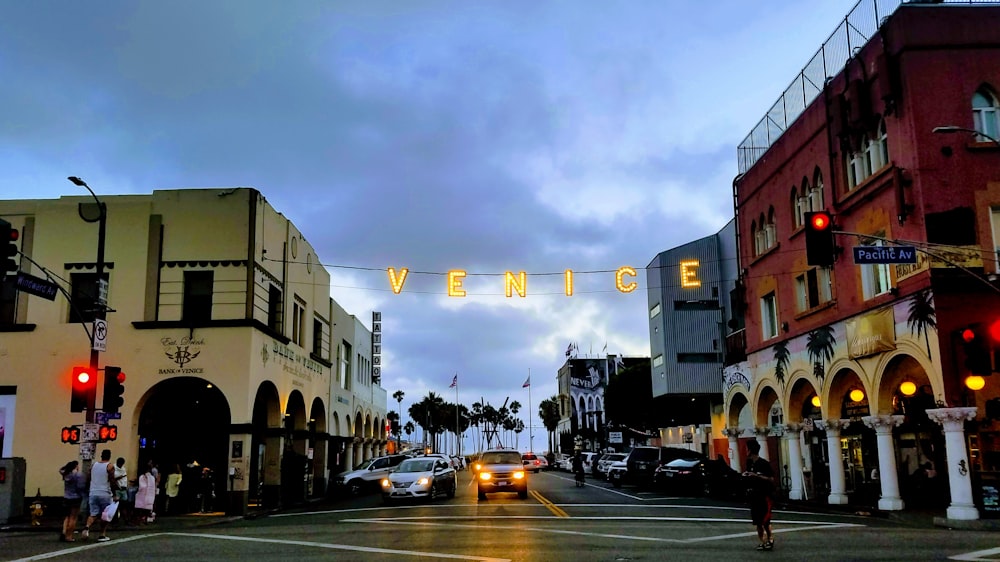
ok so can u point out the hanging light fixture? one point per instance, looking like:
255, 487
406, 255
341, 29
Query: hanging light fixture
857, 395
908, 388
815, 401
975, 382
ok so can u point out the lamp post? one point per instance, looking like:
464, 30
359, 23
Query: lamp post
956, 129
101, 219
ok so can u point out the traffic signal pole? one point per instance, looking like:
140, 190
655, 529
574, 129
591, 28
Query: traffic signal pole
100, 312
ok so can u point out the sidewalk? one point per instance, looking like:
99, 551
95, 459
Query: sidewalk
916, 517
51, 522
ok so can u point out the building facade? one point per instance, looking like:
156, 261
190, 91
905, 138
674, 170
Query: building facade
689, 290
218, 311
856, 378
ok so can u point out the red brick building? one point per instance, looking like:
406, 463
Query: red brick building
856, 375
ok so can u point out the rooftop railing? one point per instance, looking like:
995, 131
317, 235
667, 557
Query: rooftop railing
850, 35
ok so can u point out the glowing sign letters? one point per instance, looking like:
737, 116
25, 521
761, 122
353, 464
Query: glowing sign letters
689, 273
518, 283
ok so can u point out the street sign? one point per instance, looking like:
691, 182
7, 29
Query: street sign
102, 292
101, 417
614, 437
885, 254
100, 335
36, 286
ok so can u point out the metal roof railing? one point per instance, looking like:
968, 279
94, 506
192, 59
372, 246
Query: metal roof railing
860, 25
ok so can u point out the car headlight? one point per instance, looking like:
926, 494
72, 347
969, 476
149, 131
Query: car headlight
424, 481
478, 466
485, 476
519, 475
386, 483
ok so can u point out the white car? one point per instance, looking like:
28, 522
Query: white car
420, 477
604, 464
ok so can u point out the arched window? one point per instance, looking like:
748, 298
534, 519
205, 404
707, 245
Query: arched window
985, 115
816, 193
753, 236
797, 210
770, 231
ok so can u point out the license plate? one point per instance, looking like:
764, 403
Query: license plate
668, 474
502, 483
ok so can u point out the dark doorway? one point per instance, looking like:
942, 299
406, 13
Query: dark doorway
186, 419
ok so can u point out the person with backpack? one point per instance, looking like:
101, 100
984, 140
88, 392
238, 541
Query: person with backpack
74, 488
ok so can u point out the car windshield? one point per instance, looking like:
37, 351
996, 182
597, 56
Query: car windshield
501, 458
683, 463
615, 457
362, 465
416, 465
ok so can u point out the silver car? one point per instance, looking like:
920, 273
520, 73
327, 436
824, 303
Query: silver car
604, 464
420, 477
367, 474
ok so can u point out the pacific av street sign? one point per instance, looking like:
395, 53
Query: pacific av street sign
885, 254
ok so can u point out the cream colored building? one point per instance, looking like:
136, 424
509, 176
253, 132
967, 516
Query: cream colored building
219, 313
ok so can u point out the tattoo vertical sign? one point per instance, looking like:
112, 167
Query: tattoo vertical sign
377, 348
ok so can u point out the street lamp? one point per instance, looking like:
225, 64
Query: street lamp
956, 129
101, 219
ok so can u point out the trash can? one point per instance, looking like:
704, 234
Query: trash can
12, 471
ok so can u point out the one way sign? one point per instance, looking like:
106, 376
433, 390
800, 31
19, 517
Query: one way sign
885, 254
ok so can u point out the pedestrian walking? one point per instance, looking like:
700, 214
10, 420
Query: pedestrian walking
145, 496
121, 490
759, 479
578, 470
102, 480
173, 488
74, 489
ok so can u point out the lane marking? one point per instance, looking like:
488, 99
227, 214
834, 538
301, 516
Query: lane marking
83, 547
329, 546
548, 504
977, 555
425, 523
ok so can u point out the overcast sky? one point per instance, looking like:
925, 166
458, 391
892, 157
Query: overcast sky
484, 136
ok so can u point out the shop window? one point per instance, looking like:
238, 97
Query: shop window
813, 288
298, 321
198, 287
317, 346
274, 309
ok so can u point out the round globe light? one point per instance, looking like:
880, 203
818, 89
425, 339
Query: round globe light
975, 382
815, 401
907, 388
857, 395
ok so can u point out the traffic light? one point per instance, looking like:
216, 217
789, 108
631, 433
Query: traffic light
977, 349
84, 389
114, 388
819, 238
107, 433
8, 238
71, 434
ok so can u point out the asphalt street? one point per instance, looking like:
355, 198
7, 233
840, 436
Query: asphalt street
558, 521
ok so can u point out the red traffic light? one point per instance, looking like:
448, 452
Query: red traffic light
14, 235
120, 377
968, 335
820, 221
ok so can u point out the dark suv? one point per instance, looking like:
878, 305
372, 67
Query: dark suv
501, 470
641, 463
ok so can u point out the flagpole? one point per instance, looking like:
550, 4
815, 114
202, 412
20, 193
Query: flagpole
458, 429
531, 435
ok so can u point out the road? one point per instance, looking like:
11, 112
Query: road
557, 522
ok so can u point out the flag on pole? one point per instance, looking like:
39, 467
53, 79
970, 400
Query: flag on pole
527, 382
454, 382
605, 347
569, 349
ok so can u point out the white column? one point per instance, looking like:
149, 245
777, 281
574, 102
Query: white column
959, 479
838, 484
733, 434
791, 437
890, 500
762, 433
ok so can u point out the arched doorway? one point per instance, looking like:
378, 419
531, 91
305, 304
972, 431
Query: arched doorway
265, 483
849, 399
185, 421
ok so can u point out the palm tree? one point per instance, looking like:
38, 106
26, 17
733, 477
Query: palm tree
408, 428
518, 428
819, 346
922, 316
548, 412
428, 414
780, 361
398, 395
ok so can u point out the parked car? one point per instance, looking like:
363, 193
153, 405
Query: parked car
420, 477
367, 474
533, 462
604, 464
564, 462
707, 477
641, 462
501, 470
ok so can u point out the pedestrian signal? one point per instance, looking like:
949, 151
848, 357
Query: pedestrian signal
71, 434
107, 433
